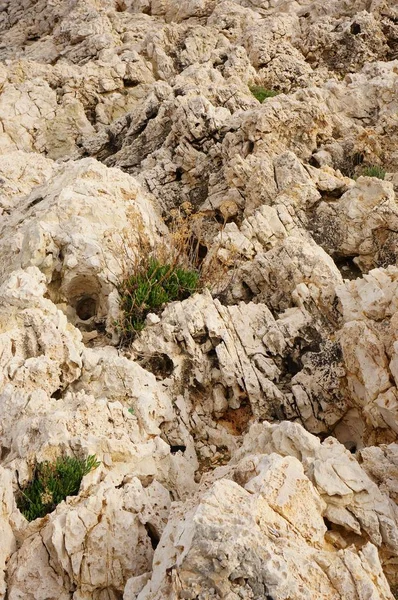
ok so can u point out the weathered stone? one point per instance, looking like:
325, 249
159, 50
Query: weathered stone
128, 124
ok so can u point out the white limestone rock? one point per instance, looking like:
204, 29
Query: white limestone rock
355, 224
20, 173
8, 544
353, 499
212, 547
81, 229
40, 349
91, 544
160, 89
368, 343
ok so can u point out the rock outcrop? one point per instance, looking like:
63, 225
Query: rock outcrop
247, 436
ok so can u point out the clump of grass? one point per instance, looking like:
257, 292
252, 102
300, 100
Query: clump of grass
170, 271
374, 171
52, 482
261, 93
153, 284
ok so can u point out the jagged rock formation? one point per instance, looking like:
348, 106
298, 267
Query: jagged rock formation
248, 435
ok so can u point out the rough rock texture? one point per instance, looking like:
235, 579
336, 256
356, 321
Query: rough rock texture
247, 437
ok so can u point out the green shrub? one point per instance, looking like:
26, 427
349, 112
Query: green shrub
52, 483
260, 93
374, 171
152, 285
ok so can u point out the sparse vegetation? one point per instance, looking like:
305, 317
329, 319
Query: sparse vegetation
261, 93
152, 285
52, 482
355, 167
374, 171
172, 271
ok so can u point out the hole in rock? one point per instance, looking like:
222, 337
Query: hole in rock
160, 365
347, 267
199, 250
237, 420
83, 294
130, 83
201, 337
57, 395
351, 446
329, 524
153, 535
314, 162
100, 325
355, 28
250, 146
4, 452
86, 308
179, 92
202, 252
293, 365
120, 6
357, 158
34, 202
221, 60
175, 449
179, 173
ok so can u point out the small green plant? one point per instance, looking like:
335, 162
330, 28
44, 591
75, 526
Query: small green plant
152, 285
261, 94
52, 482
374, 171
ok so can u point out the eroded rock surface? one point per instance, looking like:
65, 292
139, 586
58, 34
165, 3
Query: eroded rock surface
247, 436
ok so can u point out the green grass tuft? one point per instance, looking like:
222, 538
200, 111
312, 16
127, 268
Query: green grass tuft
149, 288
374, 171
261, 94
52, 483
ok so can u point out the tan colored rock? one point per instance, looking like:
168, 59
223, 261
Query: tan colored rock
353, 499
32, 121
77, 230
369, 349
40, 349
361, 223
195, 496
240, 340
20, 173
91, 544
381, 464
8, 544
219, 545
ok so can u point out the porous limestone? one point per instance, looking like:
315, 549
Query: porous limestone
247, 436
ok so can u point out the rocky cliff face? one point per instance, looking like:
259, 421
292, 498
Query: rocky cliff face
248, 435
